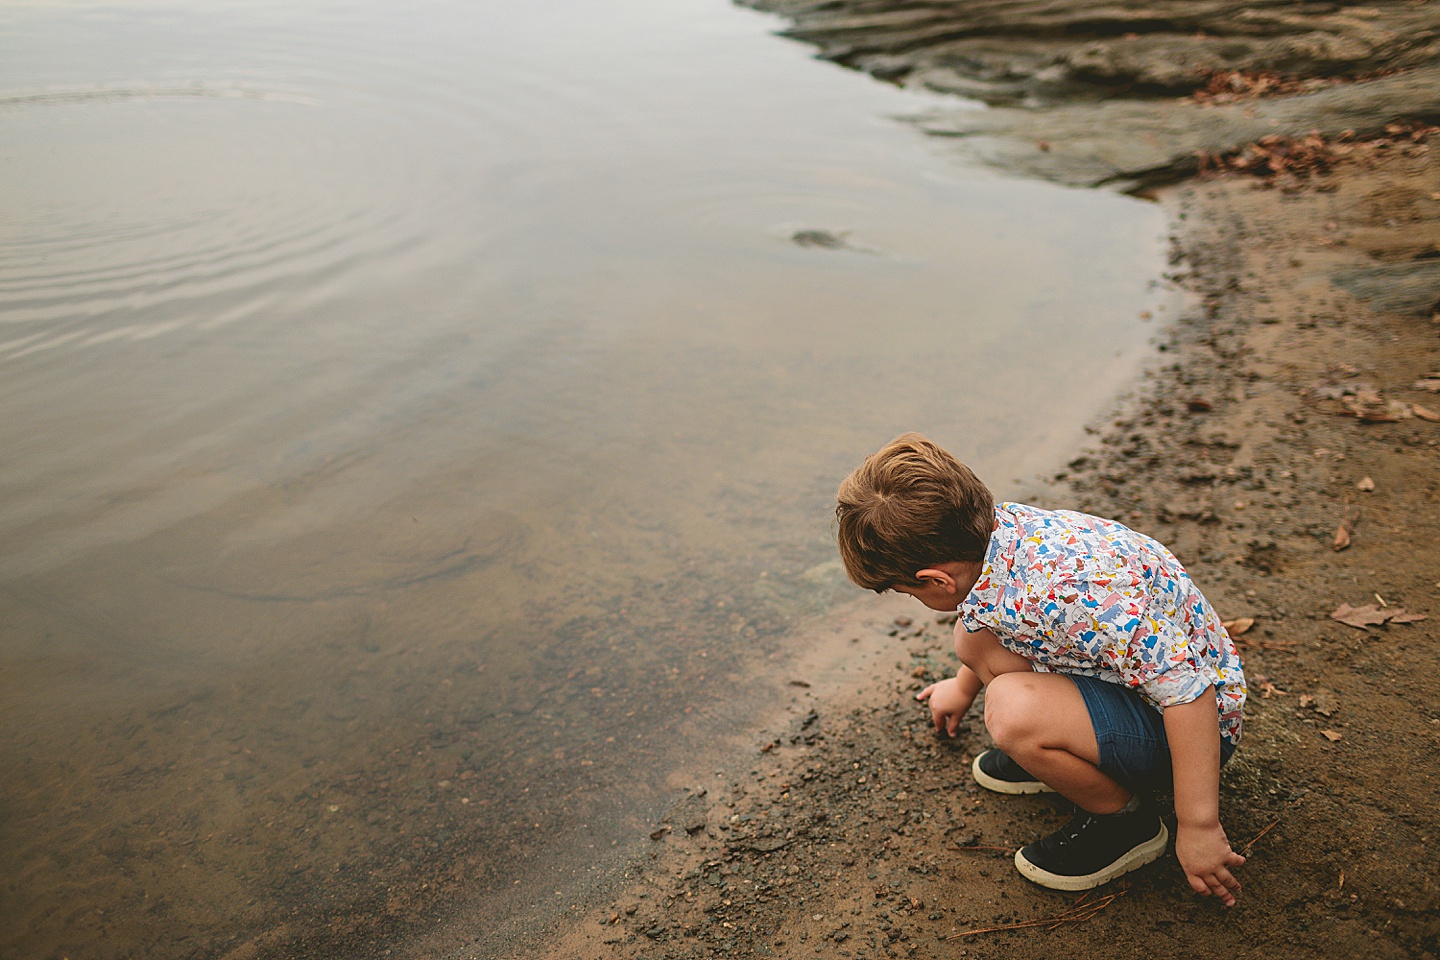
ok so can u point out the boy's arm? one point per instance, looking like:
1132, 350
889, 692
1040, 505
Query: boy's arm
1193, 730
982, 659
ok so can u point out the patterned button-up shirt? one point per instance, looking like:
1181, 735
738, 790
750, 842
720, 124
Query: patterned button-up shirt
1073, 593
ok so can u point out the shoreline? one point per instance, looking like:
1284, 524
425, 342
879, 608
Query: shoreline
1287, 403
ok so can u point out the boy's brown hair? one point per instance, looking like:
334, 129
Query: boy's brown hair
908, 507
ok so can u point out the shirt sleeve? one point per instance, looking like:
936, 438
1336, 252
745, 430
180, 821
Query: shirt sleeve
1173, 675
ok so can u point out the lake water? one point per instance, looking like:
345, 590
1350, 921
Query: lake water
418, 420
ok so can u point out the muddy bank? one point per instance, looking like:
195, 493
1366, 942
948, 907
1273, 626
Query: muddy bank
1284, 443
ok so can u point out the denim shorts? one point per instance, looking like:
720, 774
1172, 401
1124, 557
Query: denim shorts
1131, 733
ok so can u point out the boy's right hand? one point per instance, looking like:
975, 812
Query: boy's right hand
948, 702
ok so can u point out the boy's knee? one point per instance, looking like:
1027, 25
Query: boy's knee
1010, 708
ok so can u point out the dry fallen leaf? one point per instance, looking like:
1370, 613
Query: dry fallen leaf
1366, 485
1371, 615
1362, 617
1425, 413
1330, 735
1238, 626
1342, 537
1324, 703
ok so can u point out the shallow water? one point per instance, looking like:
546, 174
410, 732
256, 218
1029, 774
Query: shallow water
415, 417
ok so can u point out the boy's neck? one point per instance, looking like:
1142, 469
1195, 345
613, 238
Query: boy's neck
966, 575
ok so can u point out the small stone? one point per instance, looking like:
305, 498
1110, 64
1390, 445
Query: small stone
1366, 485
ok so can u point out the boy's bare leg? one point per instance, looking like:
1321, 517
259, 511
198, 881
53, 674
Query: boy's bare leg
1041, 721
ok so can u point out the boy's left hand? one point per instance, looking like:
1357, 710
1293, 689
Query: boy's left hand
1204, 852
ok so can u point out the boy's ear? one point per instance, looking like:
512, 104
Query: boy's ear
933, 575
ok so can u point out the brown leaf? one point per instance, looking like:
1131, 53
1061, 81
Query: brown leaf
1238, 626
1362, 617
1323, 703
1330, 735
1425, 413
1372, 615
1342, 537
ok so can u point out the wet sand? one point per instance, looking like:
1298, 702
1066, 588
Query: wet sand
1296, 396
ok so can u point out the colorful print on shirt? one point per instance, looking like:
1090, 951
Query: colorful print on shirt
1073, 593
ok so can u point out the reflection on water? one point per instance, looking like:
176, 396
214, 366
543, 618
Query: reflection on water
417, 418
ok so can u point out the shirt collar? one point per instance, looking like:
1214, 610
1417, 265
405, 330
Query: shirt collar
999, 557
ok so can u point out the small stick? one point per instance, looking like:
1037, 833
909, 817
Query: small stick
1079, 912
1246, 849
978, 847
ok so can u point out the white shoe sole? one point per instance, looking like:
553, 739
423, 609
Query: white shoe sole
1006, 786
1146, 852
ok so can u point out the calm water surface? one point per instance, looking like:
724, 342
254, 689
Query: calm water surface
415, 417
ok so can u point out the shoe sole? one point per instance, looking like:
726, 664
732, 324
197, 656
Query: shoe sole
1144, 853
1012, 787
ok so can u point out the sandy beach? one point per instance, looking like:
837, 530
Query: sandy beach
1283, 442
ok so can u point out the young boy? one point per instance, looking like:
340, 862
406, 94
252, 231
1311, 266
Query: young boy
1102, 663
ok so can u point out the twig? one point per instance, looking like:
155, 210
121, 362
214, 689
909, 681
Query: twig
1077, 913
1246, 849
1008, 850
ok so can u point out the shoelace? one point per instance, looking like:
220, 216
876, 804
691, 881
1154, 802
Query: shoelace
1074, 828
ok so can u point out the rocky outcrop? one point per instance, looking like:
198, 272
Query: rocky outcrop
1039, 51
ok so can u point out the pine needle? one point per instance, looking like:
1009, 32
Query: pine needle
1246, 849
1005, 850
1079, 912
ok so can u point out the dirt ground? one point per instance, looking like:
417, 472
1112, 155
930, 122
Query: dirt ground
1284, 444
